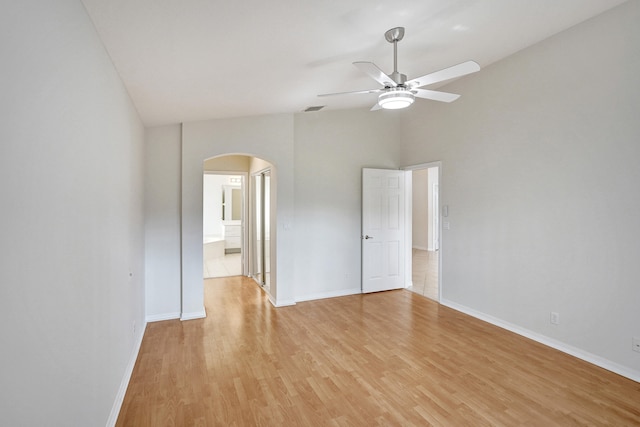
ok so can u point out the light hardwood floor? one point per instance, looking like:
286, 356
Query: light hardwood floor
390, 359
424, 274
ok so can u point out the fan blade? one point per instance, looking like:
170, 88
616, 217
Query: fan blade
446, 74
357, 92
435, 95
376, 73
376, 107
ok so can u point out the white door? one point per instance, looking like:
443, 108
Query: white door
382, 229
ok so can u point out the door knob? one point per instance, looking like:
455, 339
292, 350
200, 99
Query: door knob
368, 237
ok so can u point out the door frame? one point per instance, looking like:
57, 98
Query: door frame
253, 216
409, 222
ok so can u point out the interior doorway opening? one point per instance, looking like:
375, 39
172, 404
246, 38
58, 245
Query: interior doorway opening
425, 230
223, 215
239, 218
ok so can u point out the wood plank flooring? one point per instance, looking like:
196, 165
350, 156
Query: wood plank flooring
386, 359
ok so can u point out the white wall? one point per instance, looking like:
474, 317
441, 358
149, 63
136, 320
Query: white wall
540, 172
71, 174
162, 222
331, 148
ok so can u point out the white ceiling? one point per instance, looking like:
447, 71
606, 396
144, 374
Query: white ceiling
187, 60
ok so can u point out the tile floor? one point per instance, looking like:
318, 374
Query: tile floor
224, 266
425, 273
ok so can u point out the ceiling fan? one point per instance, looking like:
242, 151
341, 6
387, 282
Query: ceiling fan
398, 92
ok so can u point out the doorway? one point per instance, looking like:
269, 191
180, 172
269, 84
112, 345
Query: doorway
222, 224
425, 231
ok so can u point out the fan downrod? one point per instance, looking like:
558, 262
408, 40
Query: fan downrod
394, 35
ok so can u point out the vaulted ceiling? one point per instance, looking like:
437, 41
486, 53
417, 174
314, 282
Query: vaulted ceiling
193, 60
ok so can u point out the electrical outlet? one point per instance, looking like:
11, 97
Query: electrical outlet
555, 318
635, 342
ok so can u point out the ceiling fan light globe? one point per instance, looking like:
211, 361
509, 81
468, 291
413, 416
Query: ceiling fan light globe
395, 100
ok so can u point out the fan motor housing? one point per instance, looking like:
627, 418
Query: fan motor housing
399, 78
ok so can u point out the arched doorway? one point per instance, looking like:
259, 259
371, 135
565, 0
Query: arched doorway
237, 217
268, 141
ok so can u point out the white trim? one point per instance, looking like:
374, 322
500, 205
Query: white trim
427, 165
194, 315
124, 384
550, 342
434, 213
332, 294
281, 303
163, 316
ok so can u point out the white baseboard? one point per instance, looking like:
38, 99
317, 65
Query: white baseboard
273, 301
117, 404
332, 294
281, 303
194, 315
550, 342
164, 316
